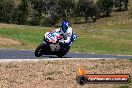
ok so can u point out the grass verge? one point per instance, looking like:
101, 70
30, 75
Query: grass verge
111, 35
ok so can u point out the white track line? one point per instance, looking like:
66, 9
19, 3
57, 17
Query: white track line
50, 59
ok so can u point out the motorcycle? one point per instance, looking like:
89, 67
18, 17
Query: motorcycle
52, 46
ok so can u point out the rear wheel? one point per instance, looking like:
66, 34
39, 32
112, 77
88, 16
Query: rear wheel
39, 50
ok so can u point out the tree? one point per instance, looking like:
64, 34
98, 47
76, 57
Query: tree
34, 17
23, 12
52, 13
20, 14
121, 5
6, 8
86, 8
66, 8
125, 4
46, 11
105, 7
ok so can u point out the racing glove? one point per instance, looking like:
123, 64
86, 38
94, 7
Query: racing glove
61, 41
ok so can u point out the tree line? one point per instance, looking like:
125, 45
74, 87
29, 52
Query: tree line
50, 12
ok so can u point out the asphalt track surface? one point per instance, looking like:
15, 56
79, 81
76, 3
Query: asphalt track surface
28, 54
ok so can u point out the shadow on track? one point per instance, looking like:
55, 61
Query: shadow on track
53, 56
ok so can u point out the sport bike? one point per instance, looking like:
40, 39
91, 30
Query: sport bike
51, 45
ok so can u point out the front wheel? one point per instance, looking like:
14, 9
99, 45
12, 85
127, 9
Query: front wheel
63, 51
39, 50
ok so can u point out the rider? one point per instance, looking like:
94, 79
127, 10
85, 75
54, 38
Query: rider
66, 31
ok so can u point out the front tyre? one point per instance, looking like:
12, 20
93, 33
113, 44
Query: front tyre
39, 50
63, 51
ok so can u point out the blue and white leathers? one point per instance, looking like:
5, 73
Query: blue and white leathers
67, 34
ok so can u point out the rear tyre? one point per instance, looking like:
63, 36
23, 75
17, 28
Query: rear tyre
39, 50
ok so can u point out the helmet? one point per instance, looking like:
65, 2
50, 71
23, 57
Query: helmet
64, 26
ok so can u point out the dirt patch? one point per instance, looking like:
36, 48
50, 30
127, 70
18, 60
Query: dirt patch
59, 74
6, 41
2, 25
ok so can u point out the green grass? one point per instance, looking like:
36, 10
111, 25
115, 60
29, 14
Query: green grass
112, 35
110, 41
29, 36
108, 35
